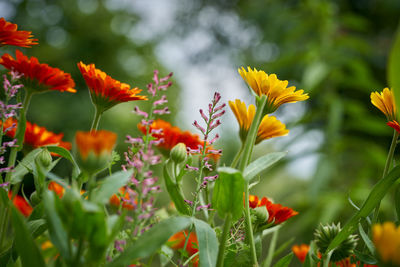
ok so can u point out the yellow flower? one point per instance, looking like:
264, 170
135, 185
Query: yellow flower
385, 102
276, 90
386, 238
269, 126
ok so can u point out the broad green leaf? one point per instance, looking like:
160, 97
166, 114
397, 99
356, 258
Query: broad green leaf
66, 154
26, 165
166, 255
375, 196
394, 69
285, 261
24, 243
151, 240
366, 239
261, 164
110, 186
58, 235
208, 243
228, 193
174, 189
37, 227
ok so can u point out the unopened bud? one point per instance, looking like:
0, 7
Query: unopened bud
35, 199
44, 157
178, 153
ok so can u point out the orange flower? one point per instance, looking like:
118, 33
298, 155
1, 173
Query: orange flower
21, 204
173, 135
38, 77
125, 196
395, 125
36, 136
98, 142
277, 213
104, 90
177, 241
301, 251
56, 188
9, 35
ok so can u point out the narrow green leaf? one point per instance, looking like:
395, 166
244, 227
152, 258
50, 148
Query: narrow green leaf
283, 247
151, 240
397, 201
285, 261
65, 154
110, 186
24, 243
58, 235
228, 193
309, 261
37, 227
375, 196
208, 243
261, 164
25, 166
394, 68
166, 255
174, 189
366, 239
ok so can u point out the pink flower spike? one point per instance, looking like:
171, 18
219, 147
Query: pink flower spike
210, 108
191, 168
195, 124
166, 78
140, 112
215, 151
217, 98
145, 122
162, 111
203, 207
161, 101
151, 89
211, 178
189, 202
132, 140
215, 125
155, 77
203, 116
214, 139
218, 115
219, 107
193, 151
164, 86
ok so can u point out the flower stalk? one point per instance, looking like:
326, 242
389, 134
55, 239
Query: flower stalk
222, 242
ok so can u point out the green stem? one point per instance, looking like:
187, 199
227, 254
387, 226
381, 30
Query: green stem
91, 185
222, 242
79, 252
4, 225
271, 249
326, 259
96, 119
388, 163
250, 140
19, 135
237, 156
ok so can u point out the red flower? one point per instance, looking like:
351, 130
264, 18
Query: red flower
301, 251
56, 188
104, 90
36, 136
115, 200
277, 213
177, 241
172, 135
9, 35
395, 125
21, 204
38, 77
98, 142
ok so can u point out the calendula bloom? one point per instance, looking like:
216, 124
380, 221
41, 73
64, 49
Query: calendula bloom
9, 35
21, 204
56, 188
36, 76
125, 196
301, 251
395, 125
104, 90
35, 136
167, 136
277, 213
177, 241
386, 238
95, 149
269, 126
384, 101
276, 90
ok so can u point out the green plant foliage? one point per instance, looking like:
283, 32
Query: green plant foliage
208, 243
261, 164
285, 261
394, 68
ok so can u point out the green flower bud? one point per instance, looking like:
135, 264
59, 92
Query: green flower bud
178, 153
44, 158
35, 199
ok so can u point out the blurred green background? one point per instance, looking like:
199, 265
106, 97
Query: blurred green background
335, 50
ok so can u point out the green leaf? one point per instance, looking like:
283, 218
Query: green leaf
37, 227
166, 255
24, 243
65, 154
261, 164
285, 261
110, 186
26, 165
310, 258
375, 196
208, 243
366, 239
174, 189
397, 200
228, 193
394, 69
58, 235
151, 240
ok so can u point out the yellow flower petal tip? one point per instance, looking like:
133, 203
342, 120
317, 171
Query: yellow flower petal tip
384, 101
386, 238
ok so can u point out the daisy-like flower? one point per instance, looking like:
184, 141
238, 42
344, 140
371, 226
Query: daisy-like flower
177, 241
94, 149
35, 136
9, 35
301, 251
384, 101
21, 204
38, 77
277, 213
167, 136
125, 196
386, 238
276, 90
104, 90
269, 127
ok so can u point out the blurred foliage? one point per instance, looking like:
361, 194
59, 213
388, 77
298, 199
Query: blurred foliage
336, 50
